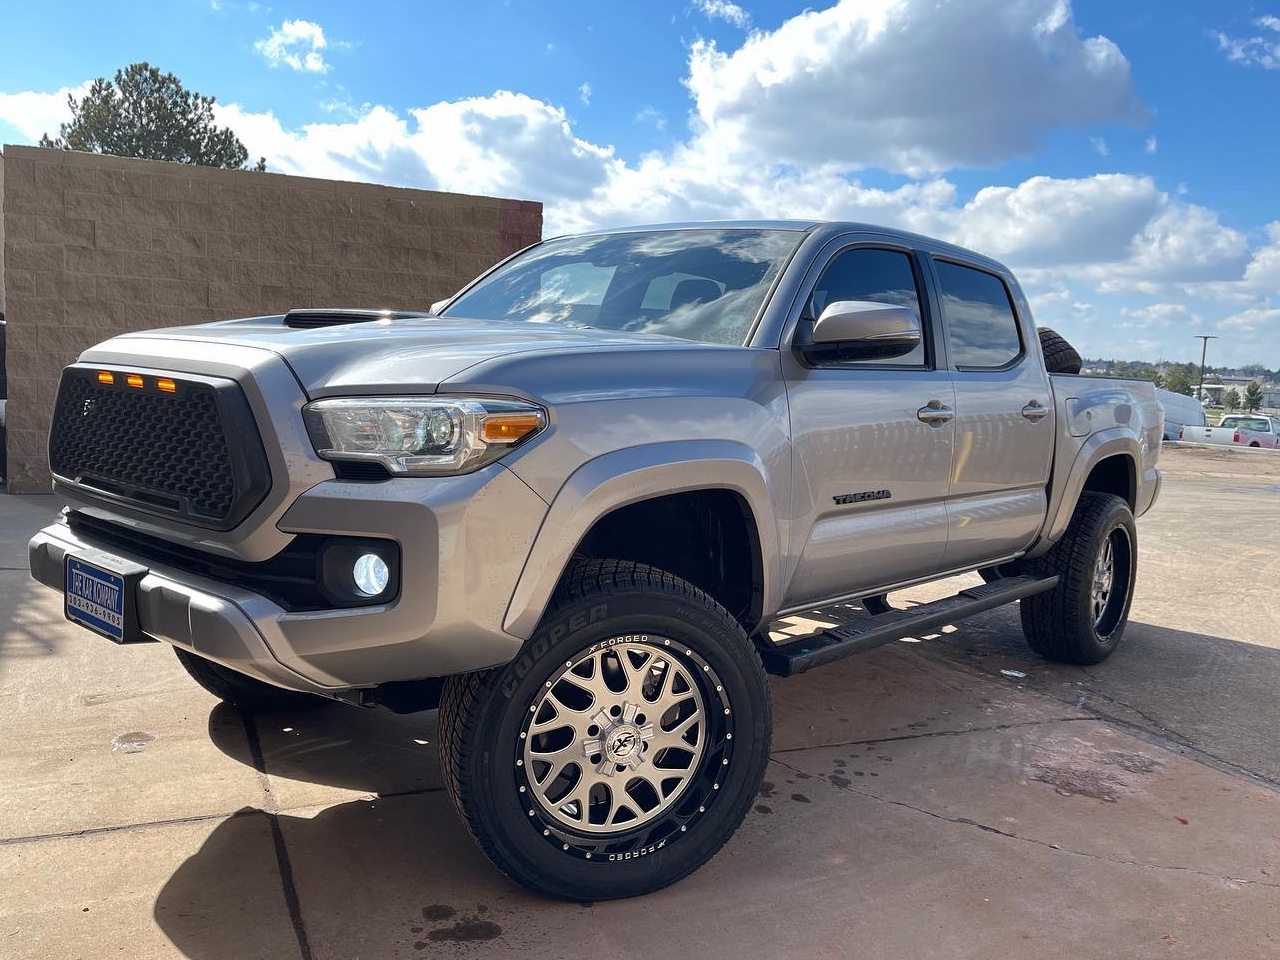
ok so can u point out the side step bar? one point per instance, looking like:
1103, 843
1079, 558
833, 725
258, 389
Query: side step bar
835, 643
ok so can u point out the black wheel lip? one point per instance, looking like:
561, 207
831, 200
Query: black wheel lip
594, 846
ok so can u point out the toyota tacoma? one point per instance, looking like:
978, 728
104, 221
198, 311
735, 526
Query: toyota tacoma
566, 504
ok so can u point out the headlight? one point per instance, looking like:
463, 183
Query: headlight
420, 436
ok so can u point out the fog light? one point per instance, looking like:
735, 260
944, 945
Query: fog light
371, 574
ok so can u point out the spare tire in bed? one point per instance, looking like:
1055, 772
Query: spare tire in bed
1059, 356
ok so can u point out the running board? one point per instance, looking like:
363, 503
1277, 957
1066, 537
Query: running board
867, 633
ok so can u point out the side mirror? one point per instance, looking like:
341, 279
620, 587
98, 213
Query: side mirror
860, 330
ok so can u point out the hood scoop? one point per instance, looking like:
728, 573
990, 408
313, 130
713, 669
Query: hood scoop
310, 319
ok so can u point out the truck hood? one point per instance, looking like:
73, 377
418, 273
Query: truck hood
412, 355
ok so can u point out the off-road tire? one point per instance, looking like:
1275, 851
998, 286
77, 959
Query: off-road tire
605, 612
1059, 355
246, 693
1075, 622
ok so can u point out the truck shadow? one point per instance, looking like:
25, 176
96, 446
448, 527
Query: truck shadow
393, 868
393, 873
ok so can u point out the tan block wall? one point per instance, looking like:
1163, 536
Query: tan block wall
1, 234
95, 246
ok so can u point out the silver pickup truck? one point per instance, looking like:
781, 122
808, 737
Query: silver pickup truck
565, 507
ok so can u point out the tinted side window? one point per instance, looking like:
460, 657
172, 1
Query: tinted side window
884, 276
982, 327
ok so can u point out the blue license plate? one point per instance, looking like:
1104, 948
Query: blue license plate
96, 599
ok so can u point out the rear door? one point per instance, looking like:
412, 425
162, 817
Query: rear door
1004, 425
871, 475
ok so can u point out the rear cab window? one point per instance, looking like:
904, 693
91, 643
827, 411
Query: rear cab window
982, 326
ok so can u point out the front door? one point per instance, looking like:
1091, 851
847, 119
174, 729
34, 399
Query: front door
872, 444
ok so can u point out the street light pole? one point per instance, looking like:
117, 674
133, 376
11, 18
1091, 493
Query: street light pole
1204, 350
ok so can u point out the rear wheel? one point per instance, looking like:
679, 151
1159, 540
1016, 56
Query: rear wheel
624, 746
1082, 619
248, 694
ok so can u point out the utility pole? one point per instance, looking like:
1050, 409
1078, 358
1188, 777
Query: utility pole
1204, 350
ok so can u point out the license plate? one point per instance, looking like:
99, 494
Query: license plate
102, 597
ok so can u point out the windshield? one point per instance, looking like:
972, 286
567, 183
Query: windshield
705, 284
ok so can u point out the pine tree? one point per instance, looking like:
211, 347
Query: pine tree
147, 114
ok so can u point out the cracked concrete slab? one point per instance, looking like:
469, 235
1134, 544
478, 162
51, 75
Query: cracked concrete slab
879, 695
1080, 788
1200, 662
1011, 817
97, 735
817, 870
128, 893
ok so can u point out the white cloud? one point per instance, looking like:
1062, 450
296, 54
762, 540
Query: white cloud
723, 10
34, 114
296, 44
1161, 315
584, 94
1151, 145
1100, 146
1263, 320
1101, 257
1263, 272
653, 116
1256, 51
507, 144
911, 86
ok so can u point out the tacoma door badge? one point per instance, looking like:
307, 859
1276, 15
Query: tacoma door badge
863, 497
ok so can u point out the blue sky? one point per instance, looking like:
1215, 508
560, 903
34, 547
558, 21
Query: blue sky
1121, 156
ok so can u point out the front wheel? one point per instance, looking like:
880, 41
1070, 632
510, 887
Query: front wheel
622, 748
1082, 619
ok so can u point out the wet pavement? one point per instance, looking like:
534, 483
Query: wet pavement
951, 796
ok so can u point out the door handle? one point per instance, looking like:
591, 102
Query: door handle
935, 414
1035, 411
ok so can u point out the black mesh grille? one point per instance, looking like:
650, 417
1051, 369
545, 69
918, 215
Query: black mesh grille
162, 452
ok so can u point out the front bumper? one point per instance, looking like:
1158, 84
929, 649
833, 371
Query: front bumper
463, 543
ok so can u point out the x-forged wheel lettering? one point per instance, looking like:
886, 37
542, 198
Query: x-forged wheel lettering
624, 746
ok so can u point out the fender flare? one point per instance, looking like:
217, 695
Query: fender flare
1114, 441
628, 476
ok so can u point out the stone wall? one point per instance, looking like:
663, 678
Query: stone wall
94, 246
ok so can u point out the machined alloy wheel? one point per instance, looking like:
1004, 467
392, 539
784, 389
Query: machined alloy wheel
617, 738
1104, 576
622, 749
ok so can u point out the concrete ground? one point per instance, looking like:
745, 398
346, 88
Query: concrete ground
946, 797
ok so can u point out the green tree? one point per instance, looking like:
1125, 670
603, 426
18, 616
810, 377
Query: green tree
1181, 378
1231, 400
147, 114
1252, 397
1135, 371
